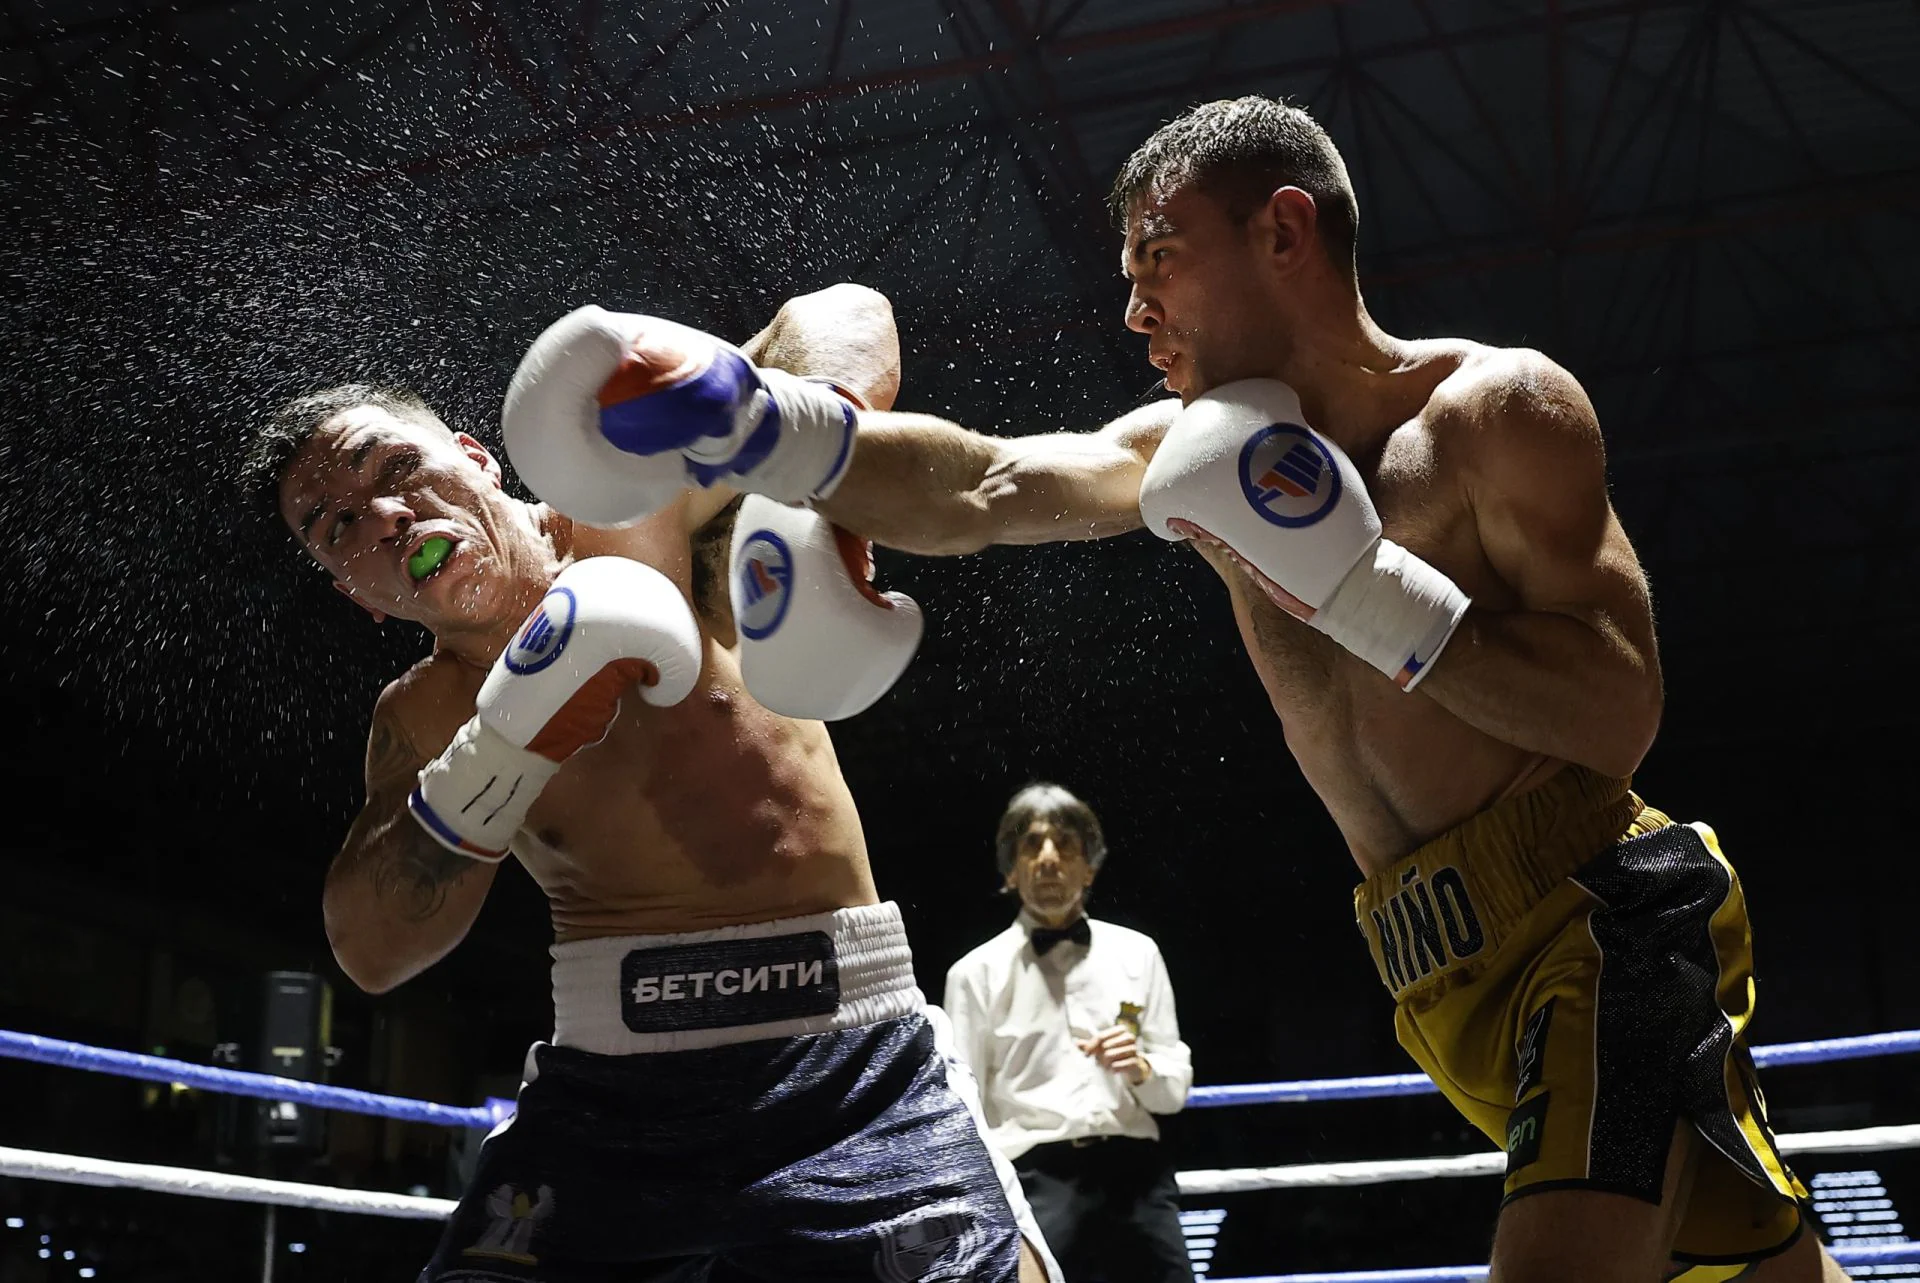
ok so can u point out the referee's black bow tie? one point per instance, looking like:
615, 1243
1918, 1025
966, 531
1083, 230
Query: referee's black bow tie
1044, 938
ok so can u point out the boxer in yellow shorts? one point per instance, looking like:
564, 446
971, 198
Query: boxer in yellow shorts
1575, 971
1455, 632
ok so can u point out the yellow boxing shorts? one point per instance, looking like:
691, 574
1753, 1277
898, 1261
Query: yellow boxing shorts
1575, 971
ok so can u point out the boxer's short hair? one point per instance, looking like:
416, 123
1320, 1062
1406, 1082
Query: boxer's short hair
1240, 151
1058, 807
271, 448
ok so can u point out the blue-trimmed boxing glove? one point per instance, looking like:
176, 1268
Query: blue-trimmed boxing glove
817, 640
611, 415
607, 625
1240, 468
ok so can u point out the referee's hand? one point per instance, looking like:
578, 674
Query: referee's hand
1118, 1049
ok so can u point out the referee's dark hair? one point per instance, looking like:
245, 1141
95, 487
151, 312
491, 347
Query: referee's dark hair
1049, 802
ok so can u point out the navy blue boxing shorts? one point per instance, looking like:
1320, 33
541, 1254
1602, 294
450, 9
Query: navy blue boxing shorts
760, 1102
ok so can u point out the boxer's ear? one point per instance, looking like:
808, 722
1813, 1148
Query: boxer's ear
379, 616
1287, 223
471, 447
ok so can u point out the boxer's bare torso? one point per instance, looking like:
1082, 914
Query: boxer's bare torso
711, 812
1485, 462
1395, 770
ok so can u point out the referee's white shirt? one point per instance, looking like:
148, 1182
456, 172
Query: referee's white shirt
1016, 1016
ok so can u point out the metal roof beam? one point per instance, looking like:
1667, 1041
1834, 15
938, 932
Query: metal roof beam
482, 152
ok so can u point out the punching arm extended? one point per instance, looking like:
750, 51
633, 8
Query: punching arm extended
615, 417
924, 485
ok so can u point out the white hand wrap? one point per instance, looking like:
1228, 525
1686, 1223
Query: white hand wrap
475, 796
815, 642
1394, 611
606, 623
1240, 465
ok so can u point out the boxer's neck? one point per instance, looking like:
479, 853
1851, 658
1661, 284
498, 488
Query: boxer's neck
1350, 374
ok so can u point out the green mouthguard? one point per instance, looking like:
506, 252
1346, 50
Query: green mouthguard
429, 556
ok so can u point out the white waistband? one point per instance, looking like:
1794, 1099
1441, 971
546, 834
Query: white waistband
616, 996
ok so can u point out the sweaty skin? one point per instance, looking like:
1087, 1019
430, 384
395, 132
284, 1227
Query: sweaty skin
1486, 462
711, 812
708, 813
1394, 769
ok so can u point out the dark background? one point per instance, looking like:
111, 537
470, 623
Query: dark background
1705, 210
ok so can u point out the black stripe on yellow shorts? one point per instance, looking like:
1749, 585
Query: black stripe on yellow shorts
1605, 998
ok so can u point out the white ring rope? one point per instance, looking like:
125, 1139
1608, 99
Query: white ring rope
1236, 1180
73, 1169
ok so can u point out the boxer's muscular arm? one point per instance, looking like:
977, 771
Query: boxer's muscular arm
923, 485
396, 901
1574, 672
845, 333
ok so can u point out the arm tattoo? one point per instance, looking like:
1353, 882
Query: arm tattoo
409, 872
389, 751
412, 873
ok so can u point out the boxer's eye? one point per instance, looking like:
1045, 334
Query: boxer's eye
399, 467
338, 528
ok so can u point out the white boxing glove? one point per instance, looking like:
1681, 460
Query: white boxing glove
607, 624
550, 425
816, 640
611, 415
1240, 467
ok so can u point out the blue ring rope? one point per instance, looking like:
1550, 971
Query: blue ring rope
1877, 1254
159, 1069
75, 1055
1786, 1053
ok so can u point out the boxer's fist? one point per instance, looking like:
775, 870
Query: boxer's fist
550, 425
1240, 468
816, 640
611, 415
606, 626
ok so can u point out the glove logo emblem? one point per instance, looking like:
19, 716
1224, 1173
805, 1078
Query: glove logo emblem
1288, 476
544, 635
762, 584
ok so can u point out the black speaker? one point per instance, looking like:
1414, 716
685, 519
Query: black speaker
295, 1030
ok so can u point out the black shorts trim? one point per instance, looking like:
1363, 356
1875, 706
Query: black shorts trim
1680, 1258
1750, 1258
1627, 1188
1661, 1040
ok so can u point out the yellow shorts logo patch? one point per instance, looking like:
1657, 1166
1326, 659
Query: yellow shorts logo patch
1428, 924
1525, 1128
